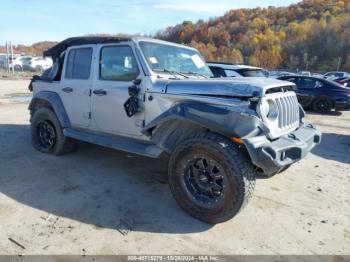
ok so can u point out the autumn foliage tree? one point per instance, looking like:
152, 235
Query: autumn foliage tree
313, 34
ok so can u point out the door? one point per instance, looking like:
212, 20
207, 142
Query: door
76, 84
117, 68
308, 89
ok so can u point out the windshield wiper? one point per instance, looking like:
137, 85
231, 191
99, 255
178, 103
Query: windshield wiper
174, 73
196, 74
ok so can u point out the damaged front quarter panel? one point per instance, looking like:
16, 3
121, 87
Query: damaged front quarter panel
231, 121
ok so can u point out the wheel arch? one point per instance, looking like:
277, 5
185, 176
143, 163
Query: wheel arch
53, 101
185, 119
323, 97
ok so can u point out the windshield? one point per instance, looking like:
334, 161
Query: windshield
163, 58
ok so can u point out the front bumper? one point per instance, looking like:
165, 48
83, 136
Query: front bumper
272, 156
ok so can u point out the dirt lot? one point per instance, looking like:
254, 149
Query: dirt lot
81, 203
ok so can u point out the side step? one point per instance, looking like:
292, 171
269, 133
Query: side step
127, 144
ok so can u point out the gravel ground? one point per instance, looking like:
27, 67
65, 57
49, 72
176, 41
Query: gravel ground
100, 201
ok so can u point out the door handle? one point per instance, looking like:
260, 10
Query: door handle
100, 92
67, 90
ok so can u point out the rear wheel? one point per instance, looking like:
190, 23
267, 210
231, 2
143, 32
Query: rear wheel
47, 135
322, 105
211, 177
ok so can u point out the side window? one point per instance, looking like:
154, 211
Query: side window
217, 71
118, 63
79, 63
291, 79
232, 73
338, 74
307, 83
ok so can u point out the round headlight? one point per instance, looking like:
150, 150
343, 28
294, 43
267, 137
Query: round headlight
269, 110
273, 110
264, 108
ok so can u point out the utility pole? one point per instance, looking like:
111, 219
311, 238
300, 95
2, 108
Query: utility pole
9, 57
13, 67
7, 64
339, 62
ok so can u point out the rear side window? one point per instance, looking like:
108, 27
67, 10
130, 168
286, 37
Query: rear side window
290, 79
118, 63
232, 73
217, 71
252, 73
79, 63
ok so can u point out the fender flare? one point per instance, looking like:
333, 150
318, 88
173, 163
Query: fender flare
229, 121
55, 102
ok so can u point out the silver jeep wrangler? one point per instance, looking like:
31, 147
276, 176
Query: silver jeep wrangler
150, 97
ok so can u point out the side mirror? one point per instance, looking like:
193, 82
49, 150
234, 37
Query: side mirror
131, 105
137, 81
133, 90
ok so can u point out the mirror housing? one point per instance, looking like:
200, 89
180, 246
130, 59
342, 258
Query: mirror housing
137, 81
131, 105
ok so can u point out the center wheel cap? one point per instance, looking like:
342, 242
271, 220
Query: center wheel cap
203, 178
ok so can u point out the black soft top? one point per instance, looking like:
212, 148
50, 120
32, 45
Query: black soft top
56, 50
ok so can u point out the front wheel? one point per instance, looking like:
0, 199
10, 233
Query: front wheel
211, 177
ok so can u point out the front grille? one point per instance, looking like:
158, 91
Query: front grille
288, 108
288, 113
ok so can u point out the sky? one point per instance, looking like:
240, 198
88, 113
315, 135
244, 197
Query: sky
30, 21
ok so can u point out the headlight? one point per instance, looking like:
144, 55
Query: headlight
264, 108
273, 110
269, 109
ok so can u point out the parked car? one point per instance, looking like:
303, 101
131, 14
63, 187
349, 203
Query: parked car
233, 70
334, 74
320, 94
305, 73
39, 64
277, 74
19, 62
150, 97
317, 75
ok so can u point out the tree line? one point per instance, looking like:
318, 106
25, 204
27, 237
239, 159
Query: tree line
311, 35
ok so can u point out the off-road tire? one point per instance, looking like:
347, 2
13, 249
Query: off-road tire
238, 169
326, 102
62, 144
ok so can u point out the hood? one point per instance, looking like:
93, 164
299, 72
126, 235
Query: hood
234, 87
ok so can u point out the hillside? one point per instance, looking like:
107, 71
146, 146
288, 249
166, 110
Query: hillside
313, 34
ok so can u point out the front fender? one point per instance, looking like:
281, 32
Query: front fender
54, 101
230, 121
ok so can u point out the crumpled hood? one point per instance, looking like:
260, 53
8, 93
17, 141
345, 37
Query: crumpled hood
235, 86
